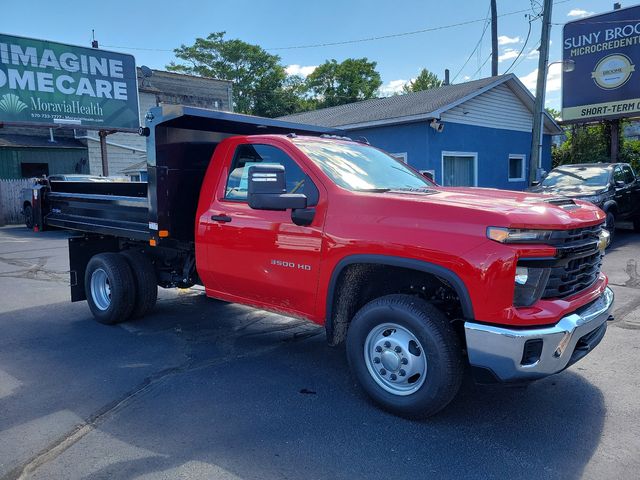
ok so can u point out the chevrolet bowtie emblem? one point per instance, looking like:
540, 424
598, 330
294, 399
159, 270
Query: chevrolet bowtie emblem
603, 240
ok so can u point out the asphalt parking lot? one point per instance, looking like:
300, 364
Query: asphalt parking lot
205, 389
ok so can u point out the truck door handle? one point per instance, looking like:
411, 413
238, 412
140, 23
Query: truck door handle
221, 218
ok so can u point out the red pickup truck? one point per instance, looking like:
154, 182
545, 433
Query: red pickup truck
418, 281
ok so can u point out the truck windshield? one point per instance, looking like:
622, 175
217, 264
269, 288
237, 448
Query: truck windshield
361, 167
576, 176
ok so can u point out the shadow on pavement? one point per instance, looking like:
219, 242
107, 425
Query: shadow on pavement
204, 388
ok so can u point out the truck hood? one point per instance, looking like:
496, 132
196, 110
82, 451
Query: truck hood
508, 208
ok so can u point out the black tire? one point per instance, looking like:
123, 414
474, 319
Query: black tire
610, 225
117, 305
146, 282
27, 211
636, 224
441, 347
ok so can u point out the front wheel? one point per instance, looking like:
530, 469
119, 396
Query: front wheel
405, 355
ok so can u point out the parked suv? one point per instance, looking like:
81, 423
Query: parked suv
612, 187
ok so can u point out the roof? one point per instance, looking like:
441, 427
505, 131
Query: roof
135, 167
414, 106
178, 83
195, 118
24, 141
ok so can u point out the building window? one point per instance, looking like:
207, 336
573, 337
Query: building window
517, 167
430, 174
400, 156
459, 169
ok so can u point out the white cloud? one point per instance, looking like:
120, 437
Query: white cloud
533, 53
505, 40
579, 13
508, 54
554, 76
466, 77
302, 70
392, 87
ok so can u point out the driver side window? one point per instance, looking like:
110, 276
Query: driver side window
618, 175
251, 154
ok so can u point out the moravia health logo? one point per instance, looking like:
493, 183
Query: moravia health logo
11, 104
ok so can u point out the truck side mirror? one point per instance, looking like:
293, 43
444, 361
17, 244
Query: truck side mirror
267, 189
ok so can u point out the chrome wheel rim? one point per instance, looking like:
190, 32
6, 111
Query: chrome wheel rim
395, 359
100, 289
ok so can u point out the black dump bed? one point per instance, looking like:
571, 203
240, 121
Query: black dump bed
180, 143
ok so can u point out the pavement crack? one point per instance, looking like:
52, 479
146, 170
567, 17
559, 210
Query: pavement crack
33, 269
59, 446
56, 448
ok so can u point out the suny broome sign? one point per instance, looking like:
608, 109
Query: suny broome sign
606, 80
53, 84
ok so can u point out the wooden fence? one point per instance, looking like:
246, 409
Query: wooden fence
11, 200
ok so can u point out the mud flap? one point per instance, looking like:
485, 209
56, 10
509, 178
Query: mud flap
81, 249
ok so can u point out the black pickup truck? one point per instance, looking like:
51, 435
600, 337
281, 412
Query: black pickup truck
614, 187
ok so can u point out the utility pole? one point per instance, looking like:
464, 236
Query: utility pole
494, 39
536, 137
615, 124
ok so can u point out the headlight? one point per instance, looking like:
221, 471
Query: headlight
514, 235
529, 285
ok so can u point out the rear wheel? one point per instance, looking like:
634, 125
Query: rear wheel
27, 211
110, 288
405, 355
146, 282
636, 224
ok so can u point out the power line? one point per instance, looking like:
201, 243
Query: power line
526, 41
402, 34
139, 48
347, 42
480, 68
486, 25
392, 35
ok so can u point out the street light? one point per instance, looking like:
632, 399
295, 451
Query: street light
567, 65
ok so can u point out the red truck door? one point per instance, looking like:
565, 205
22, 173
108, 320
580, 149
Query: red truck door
257, 256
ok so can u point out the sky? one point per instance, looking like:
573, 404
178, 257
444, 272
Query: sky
416, 34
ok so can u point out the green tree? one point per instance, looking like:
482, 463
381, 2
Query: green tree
630, 153
334, 83
260, 85
425, 80
583, 144
555, 114
592, 143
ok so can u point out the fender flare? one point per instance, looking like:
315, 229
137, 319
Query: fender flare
392, 261
610, 205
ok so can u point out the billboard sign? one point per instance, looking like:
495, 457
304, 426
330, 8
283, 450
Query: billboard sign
605, 82
53, 84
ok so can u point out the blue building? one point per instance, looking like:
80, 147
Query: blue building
469, 134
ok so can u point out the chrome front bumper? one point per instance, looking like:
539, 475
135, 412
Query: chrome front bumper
499, 353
